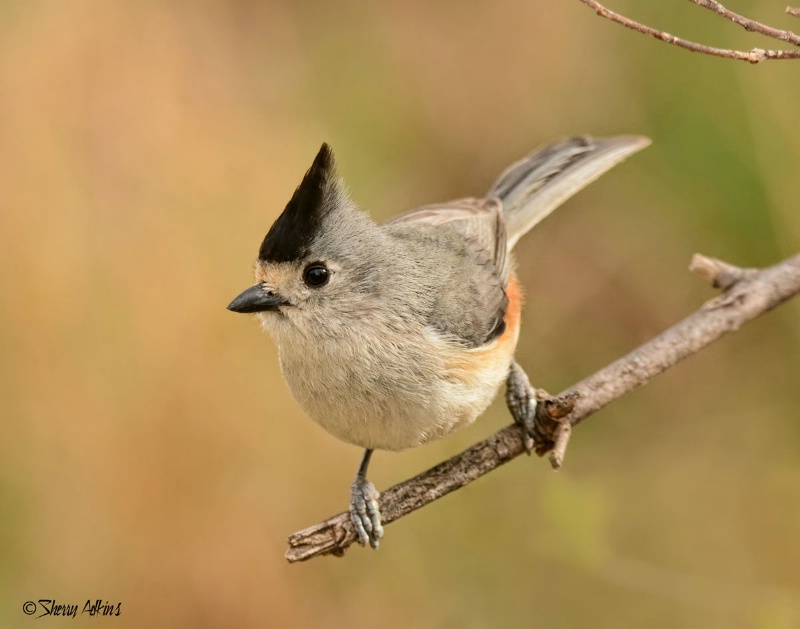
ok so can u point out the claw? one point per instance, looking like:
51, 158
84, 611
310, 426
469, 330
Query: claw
521, 401
365, 513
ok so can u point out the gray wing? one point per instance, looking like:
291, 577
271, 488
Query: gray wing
469, 273
479, 221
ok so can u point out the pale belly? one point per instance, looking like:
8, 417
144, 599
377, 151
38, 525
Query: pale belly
390, 400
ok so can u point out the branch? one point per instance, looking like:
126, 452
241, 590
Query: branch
755, 55
749, 25
747, 294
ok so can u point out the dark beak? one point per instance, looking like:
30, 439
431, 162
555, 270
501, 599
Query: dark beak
256, 299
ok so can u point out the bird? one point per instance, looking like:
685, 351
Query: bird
391, 335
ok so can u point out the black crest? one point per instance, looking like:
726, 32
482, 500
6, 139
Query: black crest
290, 235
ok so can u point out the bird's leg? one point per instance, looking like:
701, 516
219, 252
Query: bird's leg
364, 512
521, 401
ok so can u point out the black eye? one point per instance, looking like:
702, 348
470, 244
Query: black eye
316, 274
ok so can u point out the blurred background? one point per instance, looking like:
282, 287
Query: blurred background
151, 453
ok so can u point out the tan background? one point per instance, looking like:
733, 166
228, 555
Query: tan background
150, 452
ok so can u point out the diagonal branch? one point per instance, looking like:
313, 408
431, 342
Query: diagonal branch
747, 294
755, 55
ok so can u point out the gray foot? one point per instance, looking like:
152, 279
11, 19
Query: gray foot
364, 512
521, 401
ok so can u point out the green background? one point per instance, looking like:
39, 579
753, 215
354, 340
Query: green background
150, 451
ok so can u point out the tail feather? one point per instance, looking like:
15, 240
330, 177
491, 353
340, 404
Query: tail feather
537, 184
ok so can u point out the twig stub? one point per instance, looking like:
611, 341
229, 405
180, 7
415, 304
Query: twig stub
560, 447
552, 413
720, 274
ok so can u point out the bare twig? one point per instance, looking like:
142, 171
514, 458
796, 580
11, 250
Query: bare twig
795, 12
755, 55
748, 294
749, 25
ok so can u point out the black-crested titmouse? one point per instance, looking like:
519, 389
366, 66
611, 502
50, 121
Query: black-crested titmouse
395, 334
